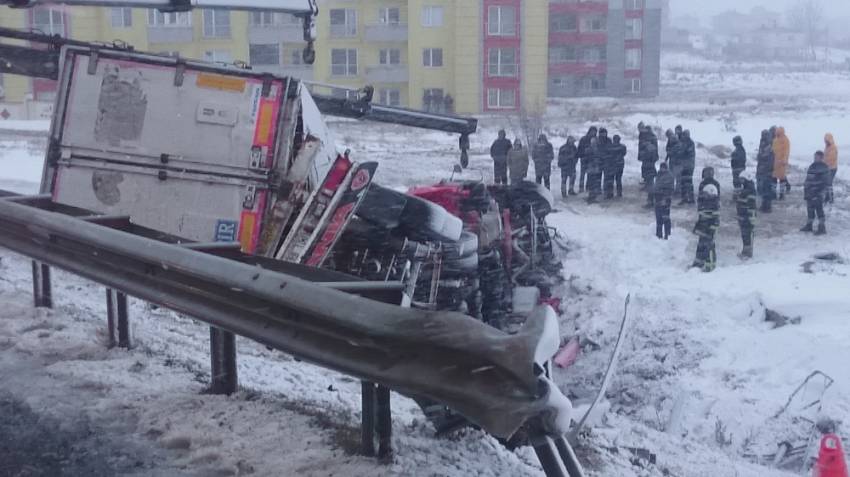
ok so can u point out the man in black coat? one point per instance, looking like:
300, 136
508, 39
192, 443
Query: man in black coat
648, 156
708, 179
594, 170
764, 172
499, 152
746, 205
706, 228
584, 155
663, 188
815, 191
739, 161
688, 164
604, 151
674, 158
615, 163
567, 161
543, 154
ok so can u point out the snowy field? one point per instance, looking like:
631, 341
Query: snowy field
703, 378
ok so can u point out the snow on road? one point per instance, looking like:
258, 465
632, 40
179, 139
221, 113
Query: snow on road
701, 377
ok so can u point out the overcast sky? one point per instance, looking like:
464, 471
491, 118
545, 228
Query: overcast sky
708, 9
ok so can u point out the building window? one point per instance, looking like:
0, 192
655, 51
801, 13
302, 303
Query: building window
51, 22
389, 56
344, 62
594, 54
390, 97
263, 19
434, 100
218, 56
635, 86
633, 59
432, 16
501, 98
122, 17
389, 16
592, 84
501, 21
432, 57
634, 4
634, 29
343, 22
502, 62
216, 24
563, 23
264, 55
596, 23
294, 57
563, 54
174, 19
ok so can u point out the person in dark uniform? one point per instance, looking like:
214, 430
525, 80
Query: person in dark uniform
739, 161
499, 153
594, 171
706, 228
603, 150
542, 155
584, 156
567, 161
688, 163
615, 163
746, 205
648, 156
708, 179
815, 190
764, 172
663, 188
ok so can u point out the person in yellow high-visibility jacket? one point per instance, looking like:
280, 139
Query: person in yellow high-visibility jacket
782, 154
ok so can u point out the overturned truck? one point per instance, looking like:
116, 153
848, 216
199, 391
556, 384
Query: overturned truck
221, 154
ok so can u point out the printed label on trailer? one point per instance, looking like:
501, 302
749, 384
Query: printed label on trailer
225, 230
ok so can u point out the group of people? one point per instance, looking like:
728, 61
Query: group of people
598, 161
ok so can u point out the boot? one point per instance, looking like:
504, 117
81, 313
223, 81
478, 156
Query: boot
821, 229
807, 227
564, 192
747, 252
572, 192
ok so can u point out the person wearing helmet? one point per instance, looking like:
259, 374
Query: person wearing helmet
688, 164
615, 163
739, 161
746, 204
663, 189
543, 154
706, 228
499, 153
815, 191
708, 179
567, 161
584, 156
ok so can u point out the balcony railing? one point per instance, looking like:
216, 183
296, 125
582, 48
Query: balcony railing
502, 70
170, 34
386, 32
387, 74
347, 30
284, 32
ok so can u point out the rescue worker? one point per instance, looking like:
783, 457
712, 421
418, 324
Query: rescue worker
815, 192
603, 149
648, 156
688, 164
567, 161
499, 153
543, 154
584, 155
594, 170
615, 164
674, 159
831, 159
746, 205
781, 156
679, 132
663, 189
518, 162
708, 179
706, 228
764, 172
739, 161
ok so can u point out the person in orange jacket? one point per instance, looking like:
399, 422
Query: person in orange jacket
782, 153
831, 159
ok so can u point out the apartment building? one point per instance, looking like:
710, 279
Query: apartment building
464, 56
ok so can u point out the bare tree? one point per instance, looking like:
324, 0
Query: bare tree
808, 15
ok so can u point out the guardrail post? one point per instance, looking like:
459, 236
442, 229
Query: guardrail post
384, 423
42, 290
367, 424
118, 319
223, 360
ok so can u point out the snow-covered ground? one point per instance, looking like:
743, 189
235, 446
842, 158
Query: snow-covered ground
702, 375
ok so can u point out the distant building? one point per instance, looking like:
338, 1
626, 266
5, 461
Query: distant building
467, 56
769, 44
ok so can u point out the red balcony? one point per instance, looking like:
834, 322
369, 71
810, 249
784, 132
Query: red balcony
576, 38
633, 74
578, 68
634, 13
582, 7
634, 44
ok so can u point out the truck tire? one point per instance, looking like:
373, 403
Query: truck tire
382, 207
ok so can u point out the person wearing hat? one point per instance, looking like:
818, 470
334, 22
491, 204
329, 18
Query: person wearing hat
815, 191
518, 162
542, 155
499, 153
739, 161
615, 163
706, 228
567, 161
747, 206
663, 188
